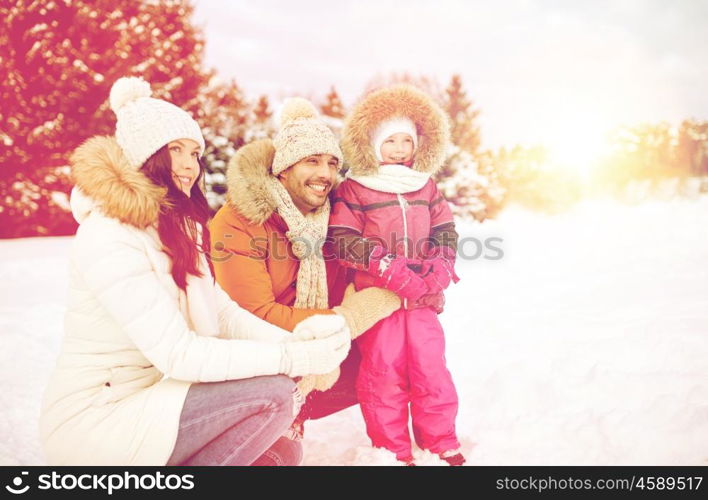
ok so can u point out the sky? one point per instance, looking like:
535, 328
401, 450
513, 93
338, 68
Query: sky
541, 71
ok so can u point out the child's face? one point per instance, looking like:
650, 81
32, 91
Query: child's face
397, 148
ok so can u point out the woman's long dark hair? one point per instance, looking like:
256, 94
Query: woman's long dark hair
179, 215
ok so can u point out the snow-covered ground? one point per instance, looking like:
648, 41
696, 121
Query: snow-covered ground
586, 344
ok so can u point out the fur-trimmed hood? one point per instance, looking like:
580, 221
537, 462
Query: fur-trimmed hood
430, 120
246, 181
106, 181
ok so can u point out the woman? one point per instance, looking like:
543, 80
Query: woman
158, 366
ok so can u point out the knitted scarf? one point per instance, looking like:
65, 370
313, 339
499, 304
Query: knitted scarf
307, 235
397, 179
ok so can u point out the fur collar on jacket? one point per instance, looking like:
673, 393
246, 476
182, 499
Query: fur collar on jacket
102, 173
401, 100
246, 178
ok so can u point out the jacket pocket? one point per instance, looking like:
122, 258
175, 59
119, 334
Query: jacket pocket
124, 381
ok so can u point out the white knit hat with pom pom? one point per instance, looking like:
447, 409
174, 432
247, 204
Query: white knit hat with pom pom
302, 133
145, 124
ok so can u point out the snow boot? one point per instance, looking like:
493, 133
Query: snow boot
453, 457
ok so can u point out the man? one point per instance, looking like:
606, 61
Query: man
269, 249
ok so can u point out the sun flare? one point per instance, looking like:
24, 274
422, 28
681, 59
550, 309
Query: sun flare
578, 145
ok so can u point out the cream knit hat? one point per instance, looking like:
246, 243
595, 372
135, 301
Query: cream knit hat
145, 124
302, 133
387, 128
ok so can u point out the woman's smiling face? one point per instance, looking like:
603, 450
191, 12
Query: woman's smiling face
184, 155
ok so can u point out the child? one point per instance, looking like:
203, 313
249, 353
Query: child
390, 223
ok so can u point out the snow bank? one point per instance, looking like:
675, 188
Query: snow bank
586, 344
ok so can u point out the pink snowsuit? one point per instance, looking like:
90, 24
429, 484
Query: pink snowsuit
403, 356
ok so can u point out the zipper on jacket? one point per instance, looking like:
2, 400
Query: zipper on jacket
403, 203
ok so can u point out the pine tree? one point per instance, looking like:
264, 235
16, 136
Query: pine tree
261, 125
470, 180
470, 184
224, 115
262, 112
58, 62
333, 106
463, 117
692, 147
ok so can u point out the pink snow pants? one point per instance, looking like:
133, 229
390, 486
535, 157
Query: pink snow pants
403, 361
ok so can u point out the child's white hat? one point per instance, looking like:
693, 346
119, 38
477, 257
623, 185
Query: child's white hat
387, 128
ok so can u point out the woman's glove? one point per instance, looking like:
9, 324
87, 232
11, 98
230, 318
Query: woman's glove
317, 326
309, 330
365, 308
325, 344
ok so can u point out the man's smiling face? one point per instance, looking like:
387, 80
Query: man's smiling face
310, 180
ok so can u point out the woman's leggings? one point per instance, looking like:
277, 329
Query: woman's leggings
238, 422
